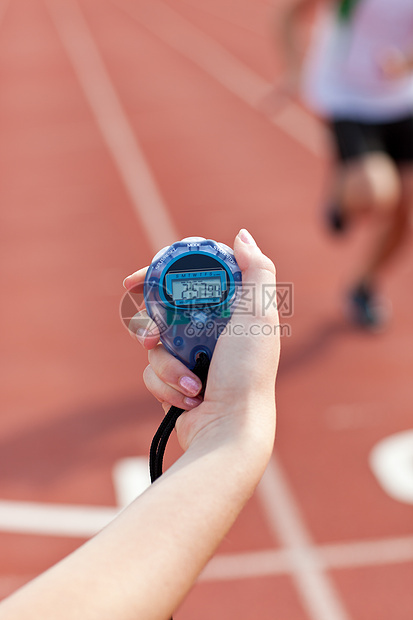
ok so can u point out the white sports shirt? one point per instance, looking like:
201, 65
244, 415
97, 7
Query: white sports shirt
342, 76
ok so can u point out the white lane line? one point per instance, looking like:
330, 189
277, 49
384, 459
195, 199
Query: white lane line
54, 519
207, 54
317, 591
113, 122
368, 552
210, 56
130, 478
71, 521
231, 566
354, 554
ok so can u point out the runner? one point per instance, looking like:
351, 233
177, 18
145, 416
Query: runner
357, 76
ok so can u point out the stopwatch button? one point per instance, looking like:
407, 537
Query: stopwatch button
225, 247
191, 239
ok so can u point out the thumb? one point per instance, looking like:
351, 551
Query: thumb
246, 356
257, 269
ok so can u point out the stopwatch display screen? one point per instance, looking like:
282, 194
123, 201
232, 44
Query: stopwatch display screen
207, 288
196, 287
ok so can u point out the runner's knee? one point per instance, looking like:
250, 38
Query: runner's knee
372, 185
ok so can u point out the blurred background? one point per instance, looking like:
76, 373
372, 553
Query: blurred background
127, 125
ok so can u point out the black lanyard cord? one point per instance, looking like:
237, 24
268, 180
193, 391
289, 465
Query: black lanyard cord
167, 425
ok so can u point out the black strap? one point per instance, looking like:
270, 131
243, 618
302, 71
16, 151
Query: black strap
167, 425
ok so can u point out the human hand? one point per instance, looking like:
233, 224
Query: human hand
395, 64
239, 396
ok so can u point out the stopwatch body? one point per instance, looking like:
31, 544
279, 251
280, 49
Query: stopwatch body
191, 289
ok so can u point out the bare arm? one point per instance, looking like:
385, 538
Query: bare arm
289, 36
143, 564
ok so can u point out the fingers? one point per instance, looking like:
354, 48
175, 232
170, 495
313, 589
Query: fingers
170, 381
245, 360
136, 279
145, 330
246, 356
166, 377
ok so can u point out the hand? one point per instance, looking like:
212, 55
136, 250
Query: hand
239, 396
394, 64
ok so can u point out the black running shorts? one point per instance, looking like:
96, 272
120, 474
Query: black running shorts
354, 139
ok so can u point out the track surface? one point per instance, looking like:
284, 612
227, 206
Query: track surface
127, 125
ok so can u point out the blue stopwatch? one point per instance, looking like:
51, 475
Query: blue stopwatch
191, 289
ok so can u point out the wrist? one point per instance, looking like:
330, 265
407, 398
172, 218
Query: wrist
248, 431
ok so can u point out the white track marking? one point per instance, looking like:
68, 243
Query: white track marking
84, 521
207, 54
282, 561
368, 553
226, 69
228, 566
54, 519
392, 463
317, 591
113, 122
131, 478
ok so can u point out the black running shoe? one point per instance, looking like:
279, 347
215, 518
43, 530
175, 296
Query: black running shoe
336, 221
366, 310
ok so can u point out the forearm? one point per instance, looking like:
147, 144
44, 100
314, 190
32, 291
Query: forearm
288, 33
143, 564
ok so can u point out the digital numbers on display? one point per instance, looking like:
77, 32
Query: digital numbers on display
196, 289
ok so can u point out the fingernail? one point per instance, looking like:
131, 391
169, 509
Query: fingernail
246, 237
191, 386
125, 280
192, 402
